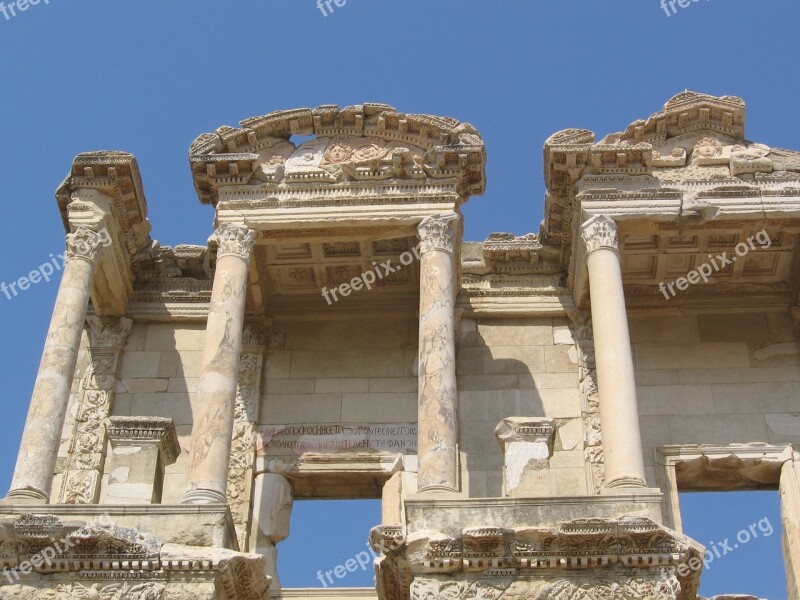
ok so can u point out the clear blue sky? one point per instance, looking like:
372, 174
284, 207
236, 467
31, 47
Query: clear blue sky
148, 77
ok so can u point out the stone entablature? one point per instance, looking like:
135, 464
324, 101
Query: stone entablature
47, 557
357, 149
584, 555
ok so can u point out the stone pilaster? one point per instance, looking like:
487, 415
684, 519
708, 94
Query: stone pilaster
86, 459
243, 448
438, 414
213, 425
590, 403
527, 447
619, 415
141, 447
33, 474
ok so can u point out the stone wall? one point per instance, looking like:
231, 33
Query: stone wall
349, 371
518, 367
716, 379
158, 375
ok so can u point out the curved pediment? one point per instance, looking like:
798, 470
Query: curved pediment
328, 145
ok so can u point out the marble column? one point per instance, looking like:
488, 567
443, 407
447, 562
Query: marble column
212, 429
36, 462
619, 415
437, 408
790, 514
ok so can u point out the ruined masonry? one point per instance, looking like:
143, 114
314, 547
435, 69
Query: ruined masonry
527, 408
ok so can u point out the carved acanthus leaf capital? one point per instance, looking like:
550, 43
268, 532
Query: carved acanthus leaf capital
600, 232
108, 332
234, 240
256, 333
85, 244
437, 233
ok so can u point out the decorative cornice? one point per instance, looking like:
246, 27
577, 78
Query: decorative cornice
146, 430
524, 429
524, 553
600, 232
115, 174
233, 240
437, 233
363, 143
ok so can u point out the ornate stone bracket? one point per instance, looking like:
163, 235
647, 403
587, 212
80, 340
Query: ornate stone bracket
81, 483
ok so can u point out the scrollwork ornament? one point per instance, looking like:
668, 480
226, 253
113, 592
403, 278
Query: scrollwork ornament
234, 240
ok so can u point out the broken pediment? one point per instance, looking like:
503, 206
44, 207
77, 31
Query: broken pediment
359, 143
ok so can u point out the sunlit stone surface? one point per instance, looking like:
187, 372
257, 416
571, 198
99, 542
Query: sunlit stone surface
338, 338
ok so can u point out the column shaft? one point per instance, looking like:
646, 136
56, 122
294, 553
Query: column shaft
619, 416
213, 424
33, 474
438, 414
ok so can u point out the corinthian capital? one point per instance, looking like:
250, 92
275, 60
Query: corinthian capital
86, 244
109, 332
437, 233
234, 240
599, 232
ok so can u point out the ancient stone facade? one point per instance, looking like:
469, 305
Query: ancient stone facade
527, 408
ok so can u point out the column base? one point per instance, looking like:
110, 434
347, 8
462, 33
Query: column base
203, 497
26, 495
622, 483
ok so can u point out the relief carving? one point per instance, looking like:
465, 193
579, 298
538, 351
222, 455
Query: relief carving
85, 461
243, 443
590, 403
